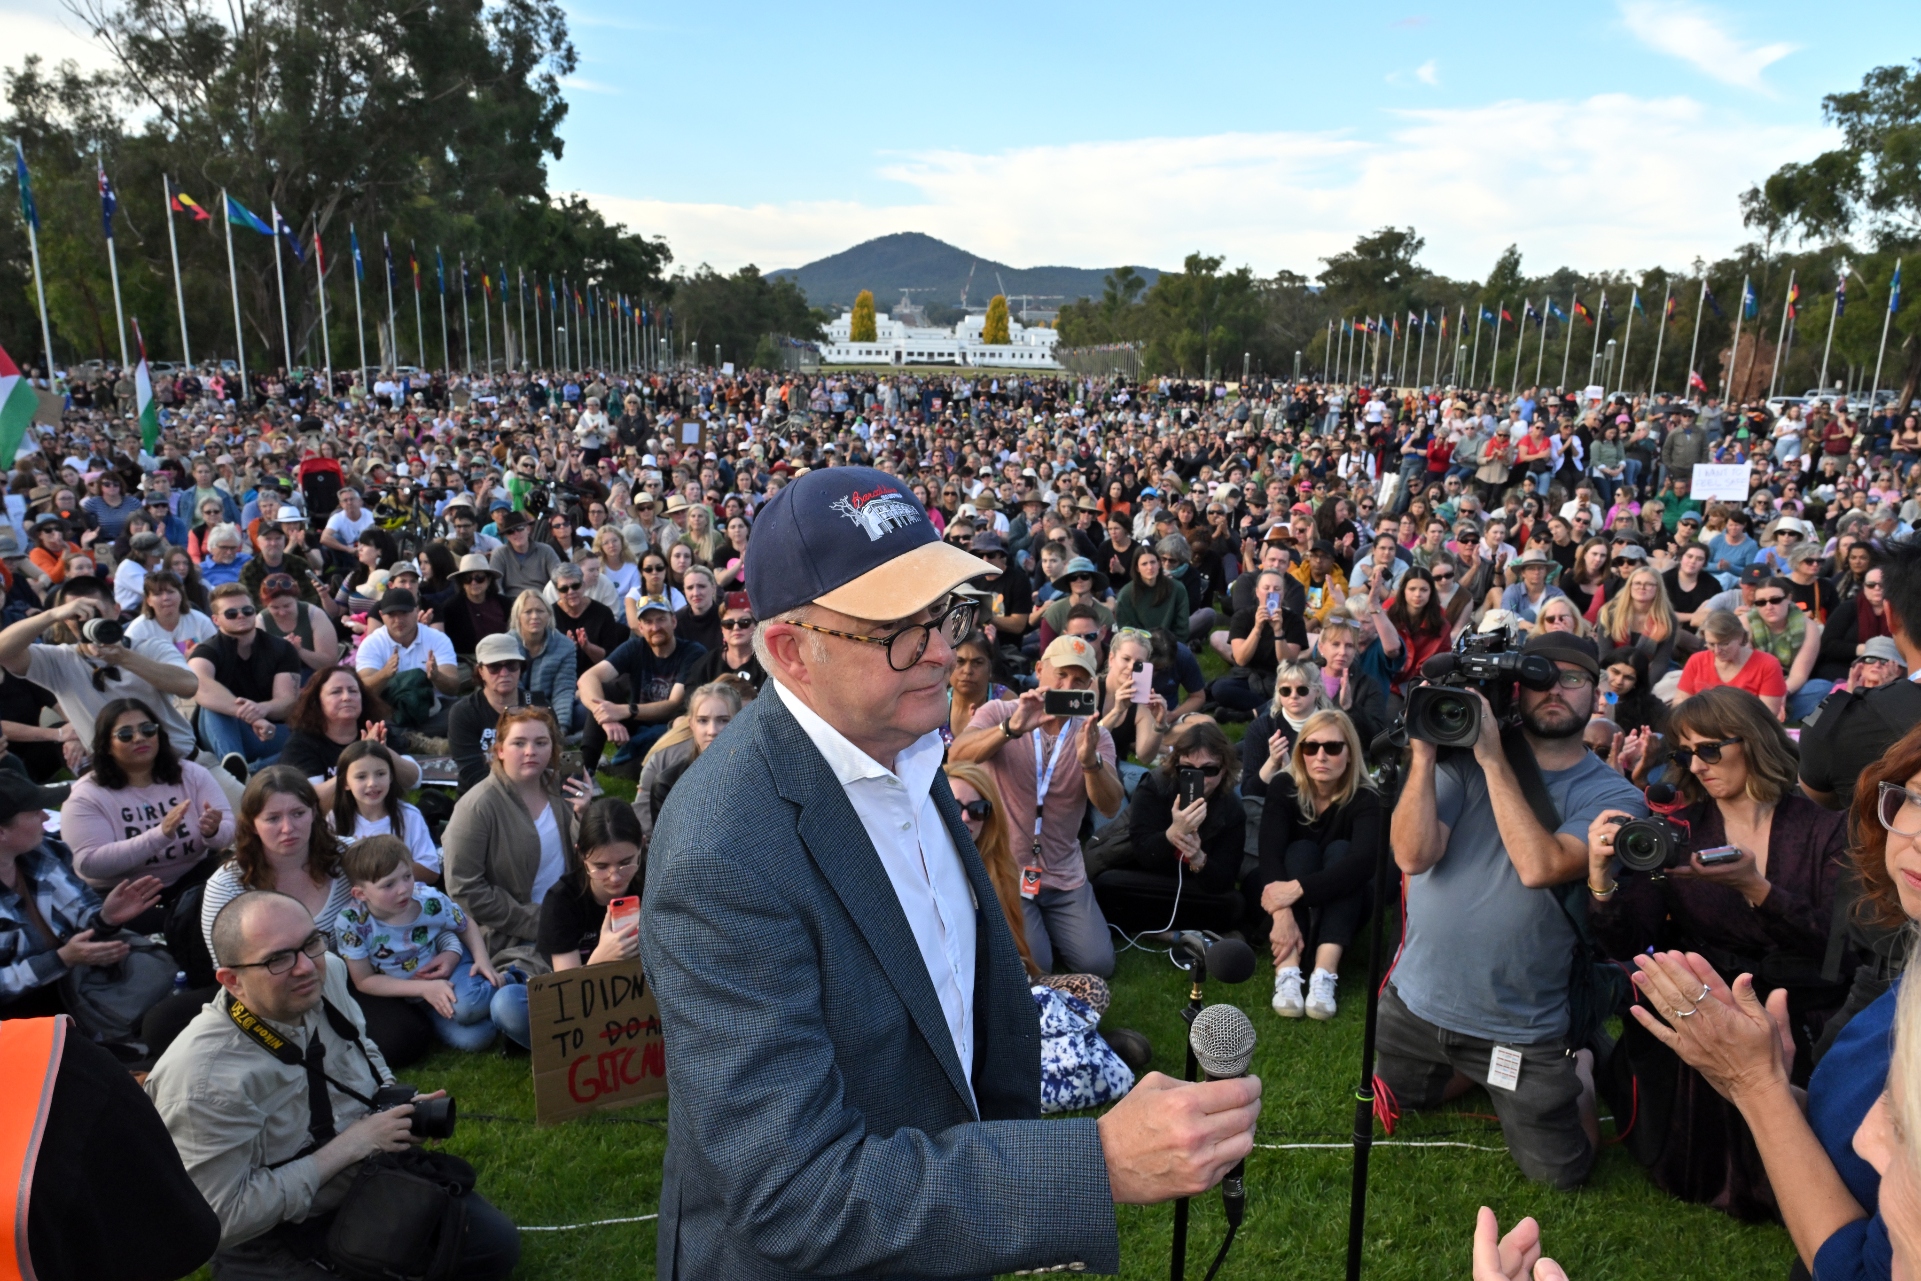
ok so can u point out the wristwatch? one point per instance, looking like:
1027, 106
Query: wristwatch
1007, 729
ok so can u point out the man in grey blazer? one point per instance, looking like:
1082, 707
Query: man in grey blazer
853, 1056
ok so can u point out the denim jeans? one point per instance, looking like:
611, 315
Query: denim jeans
1068, 925
223, 734
1803, 701
508, 1010
1631, 473
470, 1028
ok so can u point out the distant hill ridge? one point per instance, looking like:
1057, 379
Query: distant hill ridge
911, 260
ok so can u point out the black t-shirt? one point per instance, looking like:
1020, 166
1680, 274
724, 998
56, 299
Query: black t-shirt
1015, 592
1818, 598
698, 629
652, 679
251, 677
571, 917
1240, 593
470, 737
316, 756
1264, 659
1852, 731
713, 666
1686, 602
598, 624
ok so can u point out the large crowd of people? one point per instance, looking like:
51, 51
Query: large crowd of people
1169, 707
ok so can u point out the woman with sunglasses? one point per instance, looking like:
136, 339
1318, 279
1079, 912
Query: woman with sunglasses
1321, 825
141, 810
1766, 913
1855, 621
1200, 842
1779, 627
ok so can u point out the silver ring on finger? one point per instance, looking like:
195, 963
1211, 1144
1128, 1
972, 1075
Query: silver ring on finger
1703, 996
1689, 1011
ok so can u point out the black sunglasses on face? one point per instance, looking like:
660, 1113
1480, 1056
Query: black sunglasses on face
245, 611
1710, 753
1209, 771
1293, 691
737, 624
1315, 748
145, 729
978, 810
1765, 601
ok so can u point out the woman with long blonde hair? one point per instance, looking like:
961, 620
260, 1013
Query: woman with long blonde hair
1320, 828
1641, 612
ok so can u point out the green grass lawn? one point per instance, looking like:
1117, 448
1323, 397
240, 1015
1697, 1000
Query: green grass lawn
1422, 1202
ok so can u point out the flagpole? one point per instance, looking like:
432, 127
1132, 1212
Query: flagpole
1627, 340
1421, 359
360, 320
1393, 337
320, 290
280, 283
540, 346
1694, 345
1834, 314
1474, 364
420, 325
179, 291
1567, 348
233, 282
393, 333
520, 287
506, 331
1894, 300
487, 322
31, 216
1660, 333
1594, 355
440, 278
1734, 353
466, 318
1494, 357
1520, 345
113, 270
1781, 338
1540, 353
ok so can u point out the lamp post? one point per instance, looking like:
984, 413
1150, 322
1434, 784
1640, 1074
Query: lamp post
1608, 380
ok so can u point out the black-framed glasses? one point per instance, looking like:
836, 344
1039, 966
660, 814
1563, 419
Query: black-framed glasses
126, 733
980, 811
906, 645
1316, 748
1765, 601
1710, 753
281, 962
245, 611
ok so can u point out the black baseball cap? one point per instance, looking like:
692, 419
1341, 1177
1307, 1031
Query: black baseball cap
18, 794
398, 600
1565, 647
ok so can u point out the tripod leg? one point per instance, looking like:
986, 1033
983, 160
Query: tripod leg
1364, 1093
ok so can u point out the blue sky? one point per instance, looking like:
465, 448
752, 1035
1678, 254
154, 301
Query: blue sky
1610, 134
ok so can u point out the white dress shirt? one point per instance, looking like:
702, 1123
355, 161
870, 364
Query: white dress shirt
897, 809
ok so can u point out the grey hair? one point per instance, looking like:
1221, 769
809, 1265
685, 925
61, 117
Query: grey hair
817, 651
568, 572
1174, 550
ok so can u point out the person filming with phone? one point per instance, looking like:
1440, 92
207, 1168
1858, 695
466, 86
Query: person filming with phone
1052, 759
1746, 878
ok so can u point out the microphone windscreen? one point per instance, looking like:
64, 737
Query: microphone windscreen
1661, 794
1439, 665
1223, 1041
1230, 961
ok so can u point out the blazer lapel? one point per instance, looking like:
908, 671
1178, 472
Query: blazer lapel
838, 843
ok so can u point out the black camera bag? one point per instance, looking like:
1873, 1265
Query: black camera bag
404, 1218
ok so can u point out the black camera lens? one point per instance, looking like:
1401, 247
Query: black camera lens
1648, 845
102, 631
433, 1119
1138, 664
1443, 716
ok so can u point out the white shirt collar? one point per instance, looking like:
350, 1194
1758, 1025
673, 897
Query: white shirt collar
915, 767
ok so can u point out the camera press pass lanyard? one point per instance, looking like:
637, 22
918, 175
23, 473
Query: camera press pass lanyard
1031, 874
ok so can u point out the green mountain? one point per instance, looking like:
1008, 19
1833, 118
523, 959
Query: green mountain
938, 273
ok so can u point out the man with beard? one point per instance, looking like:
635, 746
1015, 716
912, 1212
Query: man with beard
1480, 994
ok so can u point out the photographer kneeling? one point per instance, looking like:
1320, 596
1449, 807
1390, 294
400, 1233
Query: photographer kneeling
1480, 995
272, 1095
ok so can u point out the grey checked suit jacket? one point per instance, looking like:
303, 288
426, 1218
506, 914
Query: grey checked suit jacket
819, 1122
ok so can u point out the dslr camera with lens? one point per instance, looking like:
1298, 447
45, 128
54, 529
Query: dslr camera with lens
1442, 709
102, 631
432, 1118
1651, 844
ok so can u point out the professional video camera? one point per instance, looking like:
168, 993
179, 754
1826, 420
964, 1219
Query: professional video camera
1442, 710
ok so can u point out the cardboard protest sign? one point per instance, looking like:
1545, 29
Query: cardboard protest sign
596, 1040
1727, 482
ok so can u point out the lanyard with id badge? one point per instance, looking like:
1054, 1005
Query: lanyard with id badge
1031, 874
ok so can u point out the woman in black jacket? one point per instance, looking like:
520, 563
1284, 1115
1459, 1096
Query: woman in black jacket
1320, 832
1202, 842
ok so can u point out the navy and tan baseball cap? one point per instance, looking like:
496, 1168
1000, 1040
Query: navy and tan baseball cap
855, 540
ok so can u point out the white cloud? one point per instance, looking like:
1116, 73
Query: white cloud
43, 27
1428, 73
1701, 37
1611, 181
587, 86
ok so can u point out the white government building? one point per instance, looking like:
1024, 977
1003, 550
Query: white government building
896, 343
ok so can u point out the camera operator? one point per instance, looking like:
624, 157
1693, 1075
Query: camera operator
270, 1095
1480, 994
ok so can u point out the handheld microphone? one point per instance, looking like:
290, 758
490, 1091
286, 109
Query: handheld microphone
1223, 1042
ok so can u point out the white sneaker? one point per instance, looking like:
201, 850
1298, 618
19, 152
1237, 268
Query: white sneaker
1320, 995
1287, 993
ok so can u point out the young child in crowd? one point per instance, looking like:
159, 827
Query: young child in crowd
366, 804
401, 938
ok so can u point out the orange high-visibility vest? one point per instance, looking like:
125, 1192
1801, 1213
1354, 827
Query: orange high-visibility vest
29, 1063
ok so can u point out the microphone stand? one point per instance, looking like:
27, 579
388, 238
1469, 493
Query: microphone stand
1389, 744
1197, 972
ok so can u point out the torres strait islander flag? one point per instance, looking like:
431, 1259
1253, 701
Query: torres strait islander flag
17, 403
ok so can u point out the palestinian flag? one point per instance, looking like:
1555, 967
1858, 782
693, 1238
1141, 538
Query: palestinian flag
17, 403
149, 408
